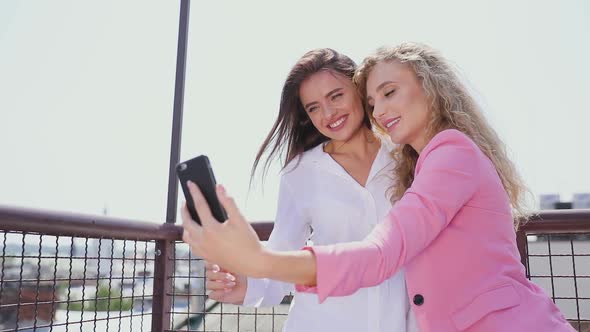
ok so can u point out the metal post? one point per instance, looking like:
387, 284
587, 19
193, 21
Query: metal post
177, 112
161, 305
163, 265
521, 242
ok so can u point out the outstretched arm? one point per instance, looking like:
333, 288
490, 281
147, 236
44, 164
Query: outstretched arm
446, 178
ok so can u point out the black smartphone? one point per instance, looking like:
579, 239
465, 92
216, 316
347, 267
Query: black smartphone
198, 170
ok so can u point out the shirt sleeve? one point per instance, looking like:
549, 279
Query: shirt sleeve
290, 232
446, 179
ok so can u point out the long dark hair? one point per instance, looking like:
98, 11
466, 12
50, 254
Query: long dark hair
293, 129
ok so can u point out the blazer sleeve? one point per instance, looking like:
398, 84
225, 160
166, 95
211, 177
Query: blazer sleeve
446, 178
290, 232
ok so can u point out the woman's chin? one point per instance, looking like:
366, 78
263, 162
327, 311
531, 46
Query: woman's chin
397, 139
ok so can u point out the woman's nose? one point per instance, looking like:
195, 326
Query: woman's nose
328, 112
378, 111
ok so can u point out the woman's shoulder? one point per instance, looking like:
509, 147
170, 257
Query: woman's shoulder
298, 165
450, 138
451, 147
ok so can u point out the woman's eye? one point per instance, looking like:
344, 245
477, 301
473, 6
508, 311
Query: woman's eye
311, 109
389, 93
336, 96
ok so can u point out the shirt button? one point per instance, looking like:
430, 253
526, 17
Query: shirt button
418, 299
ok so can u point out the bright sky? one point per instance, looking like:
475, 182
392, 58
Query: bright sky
86, 89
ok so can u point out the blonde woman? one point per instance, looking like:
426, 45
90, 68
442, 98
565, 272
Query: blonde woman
452, 228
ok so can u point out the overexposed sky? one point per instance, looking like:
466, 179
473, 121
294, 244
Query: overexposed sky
86, 89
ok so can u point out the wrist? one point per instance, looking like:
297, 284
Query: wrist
263, 264
296, 267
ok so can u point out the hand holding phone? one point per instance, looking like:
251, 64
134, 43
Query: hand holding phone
198, 170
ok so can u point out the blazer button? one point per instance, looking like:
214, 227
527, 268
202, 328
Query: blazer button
418, 299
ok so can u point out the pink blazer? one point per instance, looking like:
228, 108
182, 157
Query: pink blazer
453, 233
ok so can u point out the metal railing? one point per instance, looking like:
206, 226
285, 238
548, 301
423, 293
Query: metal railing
555, 249
71, 272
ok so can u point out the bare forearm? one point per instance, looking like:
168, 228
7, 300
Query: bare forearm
296, 267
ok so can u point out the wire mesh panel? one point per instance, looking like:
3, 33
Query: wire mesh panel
72, 272
66, 272
191, 310
65, 283
560, 264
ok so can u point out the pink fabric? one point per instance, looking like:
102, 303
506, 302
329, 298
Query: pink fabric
454, 234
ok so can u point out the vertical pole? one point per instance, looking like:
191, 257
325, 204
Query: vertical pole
163, 265
177, 111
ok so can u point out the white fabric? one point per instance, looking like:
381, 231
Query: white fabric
317, 194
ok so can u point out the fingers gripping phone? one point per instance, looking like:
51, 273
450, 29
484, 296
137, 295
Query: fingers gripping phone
198, 170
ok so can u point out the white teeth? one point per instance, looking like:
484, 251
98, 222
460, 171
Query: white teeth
392, 122
337, 123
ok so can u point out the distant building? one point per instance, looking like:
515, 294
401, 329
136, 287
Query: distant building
581, 201
548, 201
553, 202
562, 205
30, 313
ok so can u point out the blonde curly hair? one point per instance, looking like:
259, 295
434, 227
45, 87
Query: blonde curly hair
453, 107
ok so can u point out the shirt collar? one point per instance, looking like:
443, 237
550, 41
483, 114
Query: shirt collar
322, 159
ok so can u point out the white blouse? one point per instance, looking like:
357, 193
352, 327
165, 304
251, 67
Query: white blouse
320, 202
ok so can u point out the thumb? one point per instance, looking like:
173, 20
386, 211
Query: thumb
201, 205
